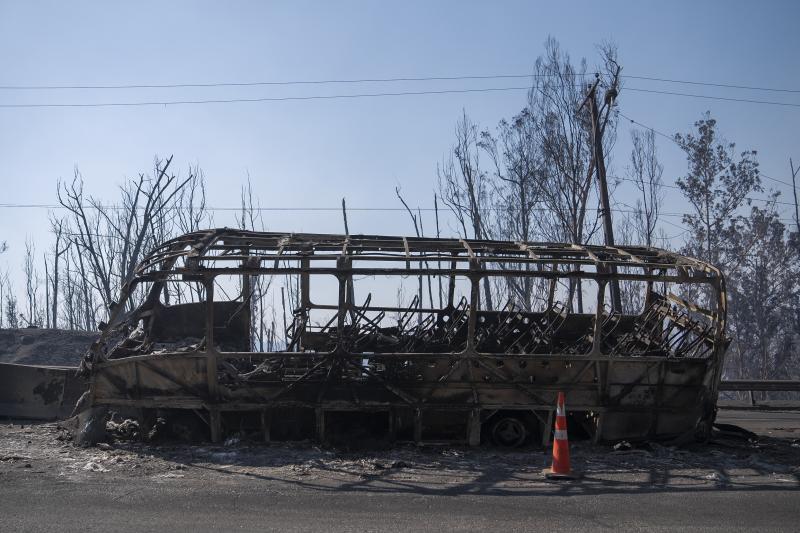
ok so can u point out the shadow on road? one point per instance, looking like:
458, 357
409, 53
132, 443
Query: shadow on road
725, 465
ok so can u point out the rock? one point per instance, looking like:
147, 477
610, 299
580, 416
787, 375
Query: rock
169, 475
93, 466
719, 478
92, 423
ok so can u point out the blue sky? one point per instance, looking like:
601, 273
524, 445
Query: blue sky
312, 153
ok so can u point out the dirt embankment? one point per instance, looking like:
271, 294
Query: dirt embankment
39, 346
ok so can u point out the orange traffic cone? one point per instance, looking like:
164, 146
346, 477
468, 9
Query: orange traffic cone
560, 468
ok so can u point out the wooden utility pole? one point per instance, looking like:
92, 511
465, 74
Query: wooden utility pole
600, 167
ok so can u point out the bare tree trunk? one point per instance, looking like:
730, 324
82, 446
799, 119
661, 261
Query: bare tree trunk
415, 220
31, 285
85, 294
3, 283
438, 263
57, 226
794, 191
46, 292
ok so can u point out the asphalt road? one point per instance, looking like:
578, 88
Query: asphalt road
257, 506
42, 500
785, 424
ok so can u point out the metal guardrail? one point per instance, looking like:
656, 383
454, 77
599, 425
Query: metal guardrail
39, 392
772, 385
759, 385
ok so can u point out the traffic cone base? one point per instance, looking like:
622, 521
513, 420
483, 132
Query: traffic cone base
549, 474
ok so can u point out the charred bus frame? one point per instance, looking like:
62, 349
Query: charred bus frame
458, 373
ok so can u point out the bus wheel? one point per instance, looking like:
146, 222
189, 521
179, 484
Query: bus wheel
509, 432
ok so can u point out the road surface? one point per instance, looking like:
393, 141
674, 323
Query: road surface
48, 485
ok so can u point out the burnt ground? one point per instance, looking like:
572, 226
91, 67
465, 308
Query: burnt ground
40, 346
729, 460
421, 487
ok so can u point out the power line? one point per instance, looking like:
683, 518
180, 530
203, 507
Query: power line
684, 229
649, 182
706, 97
626, 117
362, 95
371, 80
672, 139
266, 99
265, 83
710, 84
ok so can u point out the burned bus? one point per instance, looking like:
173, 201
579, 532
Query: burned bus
413, 339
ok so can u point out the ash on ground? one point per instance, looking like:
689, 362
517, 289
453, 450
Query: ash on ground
733, 459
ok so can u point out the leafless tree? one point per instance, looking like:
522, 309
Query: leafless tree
416, 220
645, 171
60, 247
438, 235
31, 316
563, 135
465, 189
796, 204
191, 214
86, 300
11, 310
5, 290
110, 240
70, 305
517, 163
191, 209
561, 126
632, 293
257, 290
763, 295
716, 186
542, 162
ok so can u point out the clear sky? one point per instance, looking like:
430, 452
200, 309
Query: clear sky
314, 152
